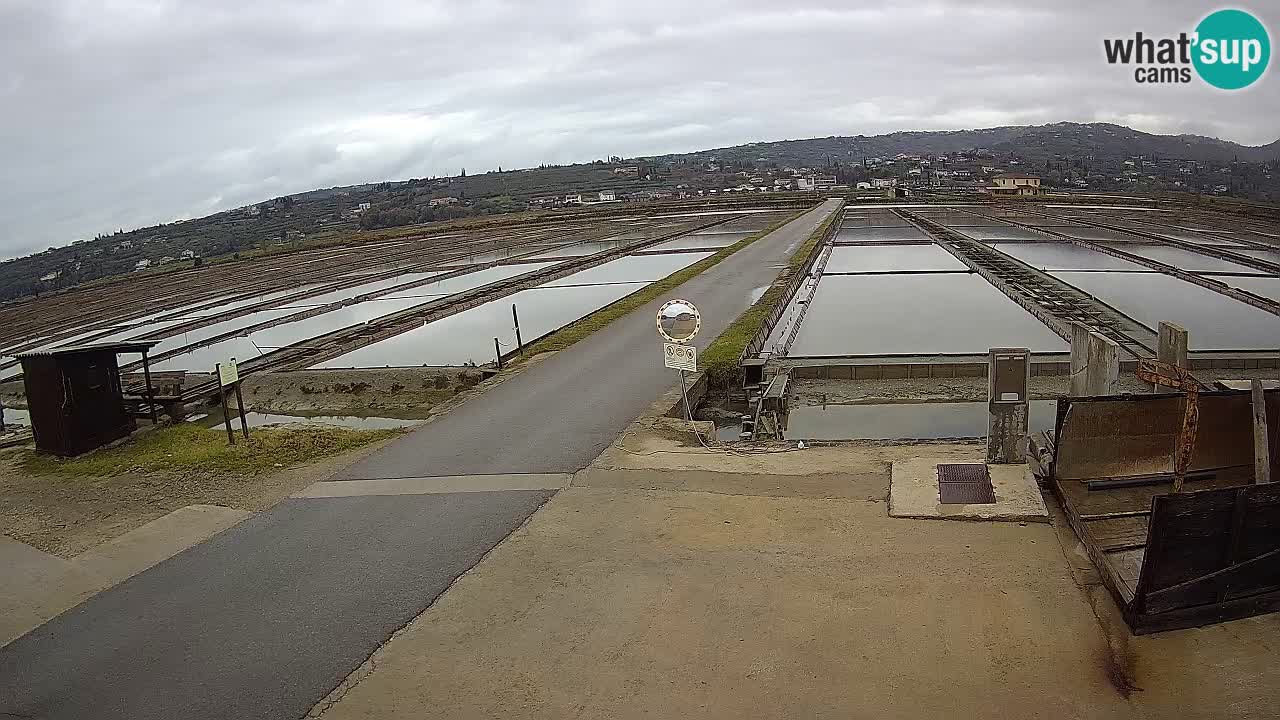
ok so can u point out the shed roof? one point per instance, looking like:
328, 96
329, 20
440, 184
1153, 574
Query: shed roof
121, 347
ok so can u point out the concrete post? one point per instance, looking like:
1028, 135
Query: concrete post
1008, 377
1171, 348
1102, 374
1079, 358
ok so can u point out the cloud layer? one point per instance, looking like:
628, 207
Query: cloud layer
130, 112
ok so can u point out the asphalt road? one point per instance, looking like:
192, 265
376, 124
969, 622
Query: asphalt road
560, 414
265, 619
261, 621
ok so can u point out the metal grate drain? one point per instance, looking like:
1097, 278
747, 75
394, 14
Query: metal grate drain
965, 484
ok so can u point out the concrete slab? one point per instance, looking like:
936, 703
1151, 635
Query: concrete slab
657, 604
913, 493
442, 484
25, 565
158, 540
57, 585
849, 485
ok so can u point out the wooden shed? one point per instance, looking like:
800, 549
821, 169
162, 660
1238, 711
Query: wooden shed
75, 396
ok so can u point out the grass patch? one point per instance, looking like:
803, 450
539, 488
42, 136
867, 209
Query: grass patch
191, 447
572, 333
720, 360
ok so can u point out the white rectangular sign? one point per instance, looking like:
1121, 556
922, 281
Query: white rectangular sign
680, 357
228, 373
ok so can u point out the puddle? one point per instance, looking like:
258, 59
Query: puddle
890, 258
1213, 321
903, 421
214, 421
924, 314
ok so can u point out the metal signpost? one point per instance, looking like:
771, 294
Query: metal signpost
229, 377
678, 322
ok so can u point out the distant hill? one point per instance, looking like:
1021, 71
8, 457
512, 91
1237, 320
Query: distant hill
1032, 142
1063, 152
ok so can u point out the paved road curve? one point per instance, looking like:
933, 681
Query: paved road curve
263, 620
559, 415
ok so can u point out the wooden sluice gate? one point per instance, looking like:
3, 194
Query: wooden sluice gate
1175, 559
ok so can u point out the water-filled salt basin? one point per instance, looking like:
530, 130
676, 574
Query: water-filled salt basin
1267, 287
1001, 232
922, 314
1064, 256
1183, 259
355, 291
1268, 255
699, 240
263, 341
579, 249
880, 234
1213, 321
1101, 234
464, 282
903, 421
467, 337
890, 258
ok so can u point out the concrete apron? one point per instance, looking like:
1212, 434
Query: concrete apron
42, 585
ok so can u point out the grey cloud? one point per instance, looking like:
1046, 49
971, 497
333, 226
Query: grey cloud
139, 112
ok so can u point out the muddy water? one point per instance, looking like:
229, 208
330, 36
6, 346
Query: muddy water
903, 421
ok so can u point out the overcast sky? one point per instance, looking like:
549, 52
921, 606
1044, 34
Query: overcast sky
123, 113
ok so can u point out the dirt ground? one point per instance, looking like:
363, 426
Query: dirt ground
67, 515
408, 393
390, 392
722, 602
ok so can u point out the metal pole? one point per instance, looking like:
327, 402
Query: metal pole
151, 395
244, 424
519, 342
684, 393
497, 350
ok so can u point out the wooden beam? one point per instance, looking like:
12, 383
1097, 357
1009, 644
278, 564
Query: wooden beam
1261, 446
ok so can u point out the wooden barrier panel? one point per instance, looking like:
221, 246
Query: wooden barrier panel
1211, 555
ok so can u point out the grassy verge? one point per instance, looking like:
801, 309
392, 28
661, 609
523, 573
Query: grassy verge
720, 360
572, 333
192, 447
